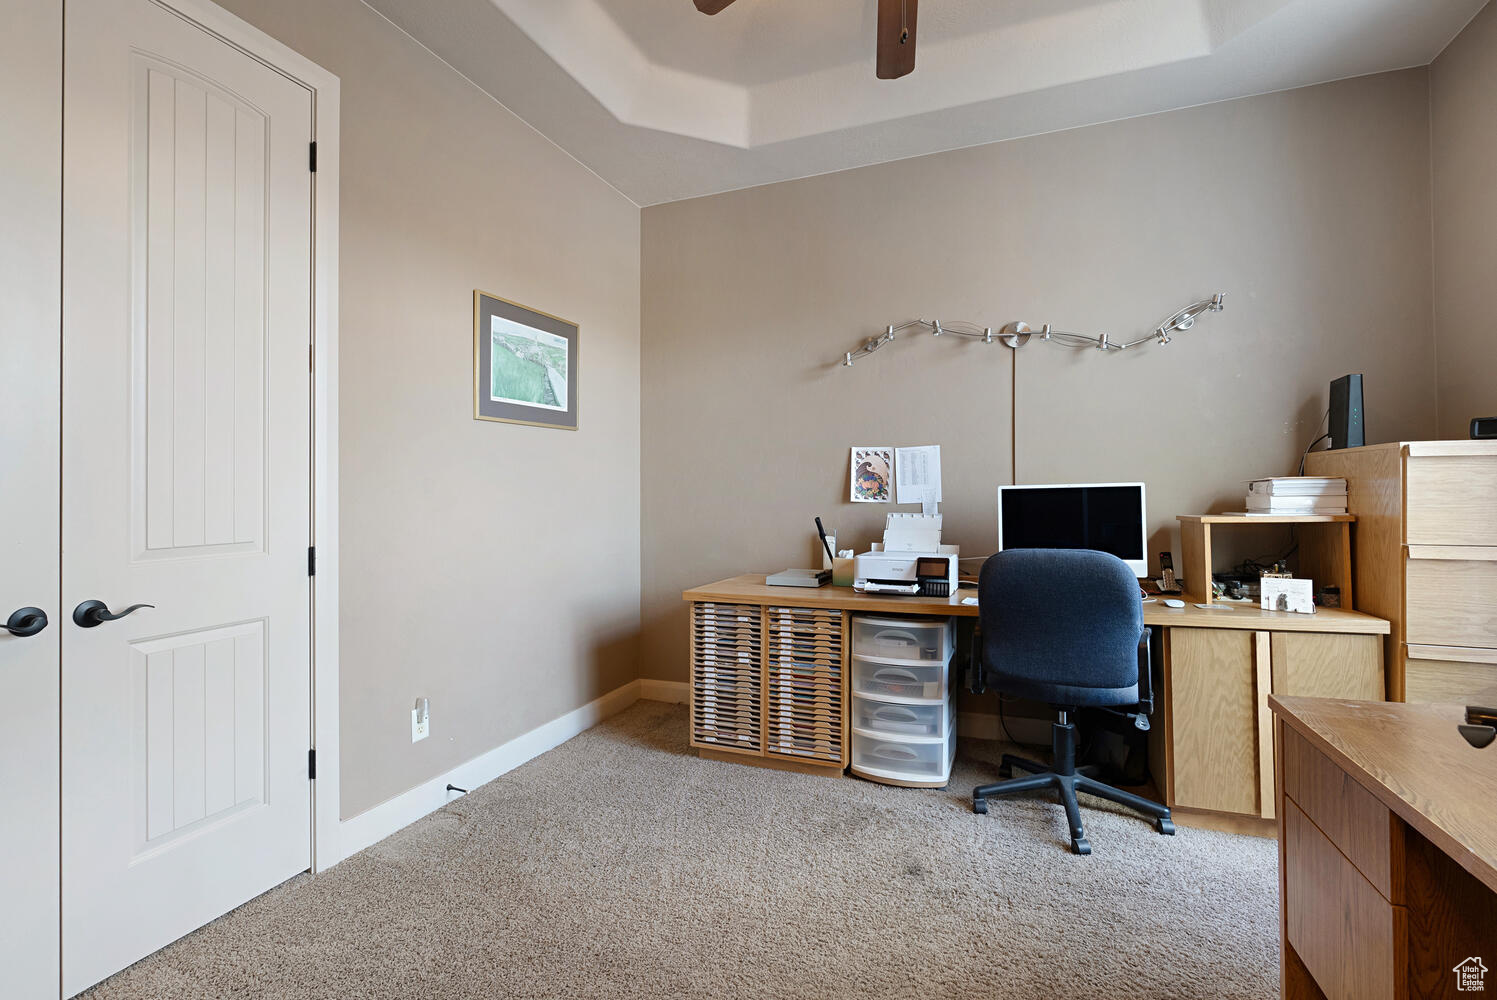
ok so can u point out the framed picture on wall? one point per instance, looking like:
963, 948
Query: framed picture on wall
524, 364
872, 474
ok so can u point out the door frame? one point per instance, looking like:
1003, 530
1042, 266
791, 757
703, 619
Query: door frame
325, 91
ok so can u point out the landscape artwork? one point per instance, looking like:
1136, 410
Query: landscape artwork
527, 365
524, 364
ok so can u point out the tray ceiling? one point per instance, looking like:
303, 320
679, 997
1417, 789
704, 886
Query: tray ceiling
665, 103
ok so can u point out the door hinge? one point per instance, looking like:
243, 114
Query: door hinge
311, 560
312, 156
311, 764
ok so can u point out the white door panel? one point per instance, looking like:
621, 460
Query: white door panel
186, 324
30, 367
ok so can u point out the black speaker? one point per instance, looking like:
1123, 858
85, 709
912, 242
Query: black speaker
1347, 428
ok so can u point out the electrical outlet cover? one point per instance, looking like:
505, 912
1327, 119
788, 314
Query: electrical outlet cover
420, 730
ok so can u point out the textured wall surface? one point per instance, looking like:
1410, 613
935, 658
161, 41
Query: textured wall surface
1310, 208
491, 568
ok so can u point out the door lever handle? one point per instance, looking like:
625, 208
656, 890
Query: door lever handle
92, 613
26, 621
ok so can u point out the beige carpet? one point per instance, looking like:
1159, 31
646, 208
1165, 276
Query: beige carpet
619, 866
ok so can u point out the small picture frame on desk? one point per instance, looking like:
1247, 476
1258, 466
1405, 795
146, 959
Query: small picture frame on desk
1282, 593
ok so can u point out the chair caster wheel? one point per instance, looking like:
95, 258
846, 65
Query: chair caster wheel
1081, 846
980, 806
1165, 826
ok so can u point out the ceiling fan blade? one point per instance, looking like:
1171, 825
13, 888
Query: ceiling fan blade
896, 37
711, 6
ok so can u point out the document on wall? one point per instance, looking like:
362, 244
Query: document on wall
917, 474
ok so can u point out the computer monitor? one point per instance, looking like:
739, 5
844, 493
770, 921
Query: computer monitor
1108, 517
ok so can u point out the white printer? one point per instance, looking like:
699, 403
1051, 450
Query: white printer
910, 560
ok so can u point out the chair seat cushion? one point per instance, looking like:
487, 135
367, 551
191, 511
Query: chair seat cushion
1058, 693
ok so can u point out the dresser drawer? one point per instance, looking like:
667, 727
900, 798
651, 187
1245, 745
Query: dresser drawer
1455, 674
1451, 596
1351, 817
1347, 935
1449, 500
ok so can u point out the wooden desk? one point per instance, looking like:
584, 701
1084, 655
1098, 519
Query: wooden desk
1210, 746
751, 589
1387, 850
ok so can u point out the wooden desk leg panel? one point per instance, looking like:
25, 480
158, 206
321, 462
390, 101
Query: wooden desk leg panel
1263, 681
1452, 917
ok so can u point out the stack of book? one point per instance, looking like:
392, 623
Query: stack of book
1296, 495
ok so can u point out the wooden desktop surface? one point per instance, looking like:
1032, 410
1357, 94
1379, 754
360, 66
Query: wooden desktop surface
751, 589
1412, 758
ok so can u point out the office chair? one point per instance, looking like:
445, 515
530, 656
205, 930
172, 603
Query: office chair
1064, 626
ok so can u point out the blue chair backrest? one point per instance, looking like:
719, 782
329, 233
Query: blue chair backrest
1071, 617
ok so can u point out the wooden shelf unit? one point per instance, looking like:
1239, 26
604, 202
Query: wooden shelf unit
805, 684
769, 685
1324, 548
727, 671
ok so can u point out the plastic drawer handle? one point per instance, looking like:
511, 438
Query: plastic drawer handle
888, 674
894, 752
909, 637
896, 713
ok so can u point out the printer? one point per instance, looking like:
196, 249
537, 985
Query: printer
910, 560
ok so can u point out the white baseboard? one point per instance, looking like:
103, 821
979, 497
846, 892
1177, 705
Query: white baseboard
674, 692
374, 825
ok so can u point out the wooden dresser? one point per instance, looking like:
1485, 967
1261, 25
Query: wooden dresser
1424, 556
1387, 851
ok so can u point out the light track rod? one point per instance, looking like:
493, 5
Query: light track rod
1016, 335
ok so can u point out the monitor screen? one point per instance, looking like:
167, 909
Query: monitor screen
1108, 517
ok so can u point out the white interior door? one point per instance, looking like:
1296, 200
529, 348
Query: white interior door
30, 242
187, 305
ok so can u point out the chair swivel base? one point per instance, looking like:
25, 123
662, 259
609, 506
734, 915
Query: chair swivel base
1067, 779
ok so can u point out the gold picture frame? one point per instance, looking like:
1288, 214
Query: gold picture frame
525, 364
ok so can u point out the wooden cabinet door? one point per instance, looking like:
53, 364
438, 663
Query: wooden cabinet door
1320, 665
1214, 719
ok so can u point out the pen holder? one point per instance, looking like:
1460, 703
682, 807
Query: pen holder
842, 572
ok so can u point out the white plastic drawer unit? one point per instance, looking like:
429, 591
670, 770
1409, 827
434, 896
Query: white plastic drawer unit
899, 679
901, 758
930, 640
891, 718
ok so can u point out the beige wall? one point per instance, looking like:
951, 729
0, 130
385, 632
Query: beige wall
492, 568
1309, 208
1463, 114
